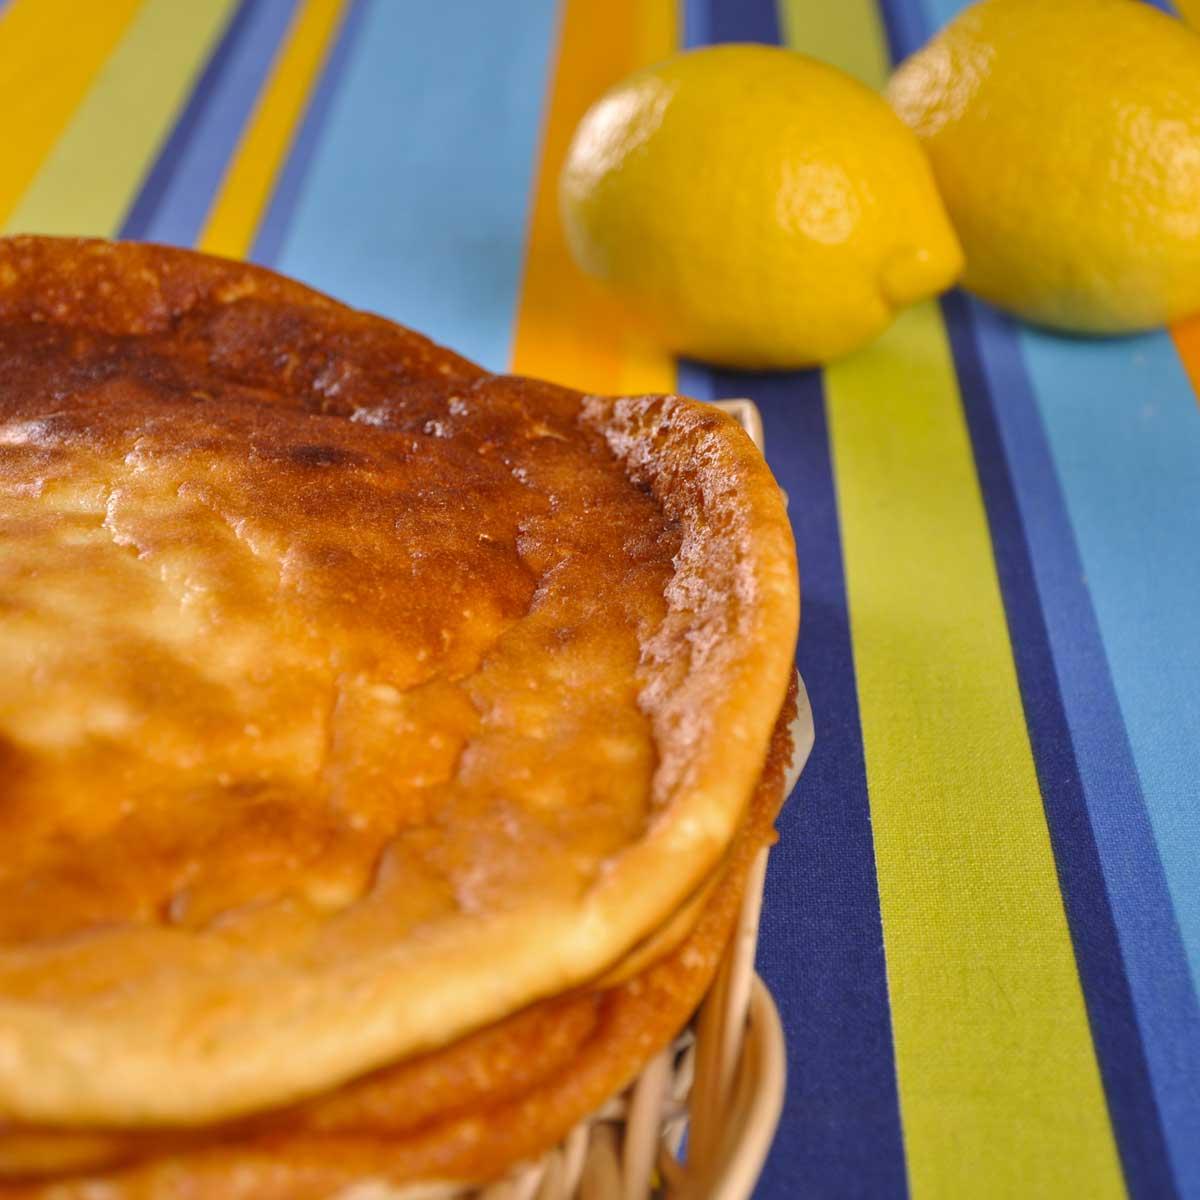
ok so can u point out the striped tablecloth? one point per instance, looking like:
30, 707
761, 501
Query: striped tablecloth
983, 918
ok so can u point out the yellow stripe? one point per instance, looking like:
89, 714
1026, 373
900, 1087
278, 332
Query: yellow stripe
89, 179
655, 31
246, 190
50, 51
1000, 1093
567, 329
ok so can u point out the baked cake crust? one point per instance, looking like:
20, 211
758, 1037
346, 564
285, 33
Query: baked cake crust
351, 699
466, 1112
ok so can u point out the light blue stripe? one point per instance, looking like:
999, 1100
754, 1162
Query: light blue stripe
416, 201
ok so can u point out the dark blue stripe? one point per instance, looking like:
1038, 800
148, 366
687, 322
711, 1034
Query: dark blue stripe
272, 233
821, 943
1113, 1018
738, 21
178, 190
905, 27
821, 946
821, 949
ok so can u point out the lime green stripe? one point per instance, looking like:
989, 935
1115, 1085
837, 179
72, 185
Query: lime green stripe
1000, 1093
847, 33
90, 177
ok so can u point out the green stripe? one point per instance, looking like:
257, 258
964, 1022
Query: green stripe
847, 34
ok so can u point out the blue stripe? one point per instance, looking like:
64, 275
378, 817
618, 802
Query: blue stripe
737, 21
268, 243
905, 26
822, 937
421, 217
697, 17
821, 943
178, 191
821, 946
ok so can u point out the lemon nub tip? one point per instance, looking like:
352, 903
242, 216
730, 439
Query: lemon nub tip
915, 273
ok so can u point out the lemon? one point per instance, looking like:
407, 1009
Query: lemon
1190, 10
753, 207
1065, 136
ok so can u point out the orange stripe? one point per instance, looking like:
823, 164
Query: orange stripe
567, 329
1187, 342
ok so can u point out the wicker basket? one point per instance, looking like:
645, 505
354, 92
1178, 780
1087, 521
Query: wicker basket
722, 1080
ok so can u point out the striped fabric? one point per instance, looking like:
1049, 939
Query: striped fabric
983, 917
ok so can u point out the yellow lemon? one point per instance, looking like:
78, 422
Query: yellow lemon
753, 207
1190, 10
1065, 136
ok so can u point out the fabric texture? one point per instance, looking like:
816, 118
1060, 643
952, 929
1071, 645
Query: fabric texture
982, 921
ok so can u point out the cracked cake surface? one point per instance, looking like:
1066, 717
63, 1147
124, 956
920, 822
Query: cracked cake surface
351, 698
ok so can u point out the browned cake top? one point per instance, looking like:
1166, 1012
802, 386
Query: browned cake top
349, 697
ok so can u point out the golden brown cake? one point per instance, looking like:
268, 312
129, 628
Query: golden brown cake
352, 701
464, 1112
